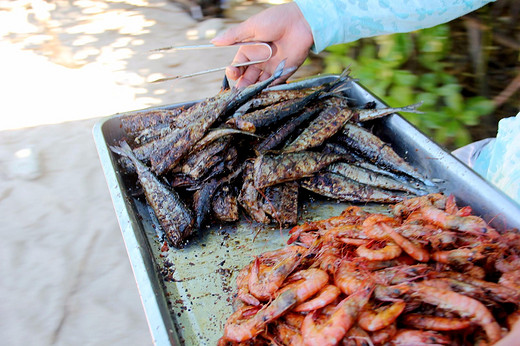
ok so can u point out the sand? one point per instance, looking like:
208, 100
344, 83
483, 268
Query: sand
65, 274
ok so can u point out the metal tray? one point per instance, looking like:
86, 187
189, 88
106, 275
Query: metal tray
186, 293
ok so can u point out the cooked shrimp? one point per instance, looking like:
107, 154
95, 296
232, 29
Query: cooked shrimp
263, 283
308, 239
497, 292
387, 252
305, 283
324, 297
475, 271
451, 205
299, 229
356, 336
328, 261
378, 226
372, 226
420, 337
383, 336
377, 265
415, 251
453, 209
335, 326
443, 239
407, 206
470, 224
354, 241
511, 279
293, 319
414, 231
461, 304
343, 231
459, 256
241, 326
420, 321
287, 334
390, 293
372, 320
401, 274
348, 277
242, 282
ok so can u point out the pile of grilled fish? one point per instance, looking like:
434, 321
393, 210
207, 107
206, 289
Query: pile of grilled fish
255, 150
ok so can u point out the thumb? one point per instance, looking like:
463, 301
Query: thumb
239, 33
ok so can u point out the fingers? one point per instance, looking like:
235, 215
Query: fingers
241, 33
251, 75
287, 32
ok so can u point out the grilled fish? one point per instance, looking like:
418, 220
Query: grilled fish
277, 112
202, 201
275, 169
281, 203
252, 90
250, 198
199, 163
379, 152
174, 216
279, 136
324, 126
147, 119
269, 97
371, 114
343, 189
367, 177
225, 204
180, 141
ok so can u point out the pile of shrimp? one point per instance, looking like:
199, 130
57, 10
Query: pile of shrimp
428, 272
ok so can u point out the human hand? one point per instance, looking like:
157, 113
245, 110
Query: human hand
284, 28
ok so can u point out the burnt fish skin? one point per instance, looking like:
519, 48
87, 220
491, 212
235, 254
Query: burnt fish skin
326, 124
275, 169
174, 216
281, 203
280, 111
167, 154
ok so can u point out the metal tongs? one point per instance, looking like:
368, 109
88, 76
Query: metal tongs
205, 46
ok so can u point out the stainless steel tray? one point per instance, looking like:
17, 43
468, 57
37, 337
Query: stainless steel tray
186, 293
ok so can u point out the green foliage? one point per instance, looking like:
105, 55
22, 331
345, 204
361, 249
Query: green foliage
408, 68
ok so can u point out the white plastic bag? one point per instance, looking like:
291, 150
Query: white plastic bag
499, 159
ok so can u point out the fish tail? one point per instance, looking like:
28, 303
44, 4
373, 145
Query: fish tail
123, 150
279, 70
225, 84
412, 108
340, 84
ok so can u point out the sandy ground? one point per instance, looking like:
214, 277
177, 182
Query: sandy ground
65, 275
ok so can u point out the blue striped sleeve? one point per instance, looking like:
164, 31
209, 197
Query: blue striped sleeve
341, 21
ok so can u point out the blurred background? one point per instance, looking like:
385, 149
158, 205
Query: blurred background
67, 64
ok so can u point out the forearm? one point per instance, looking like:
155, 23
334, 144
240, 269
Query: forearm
340, 21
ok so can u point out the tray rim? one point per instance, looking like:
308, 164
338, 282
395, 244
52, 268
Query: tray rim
155, 306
